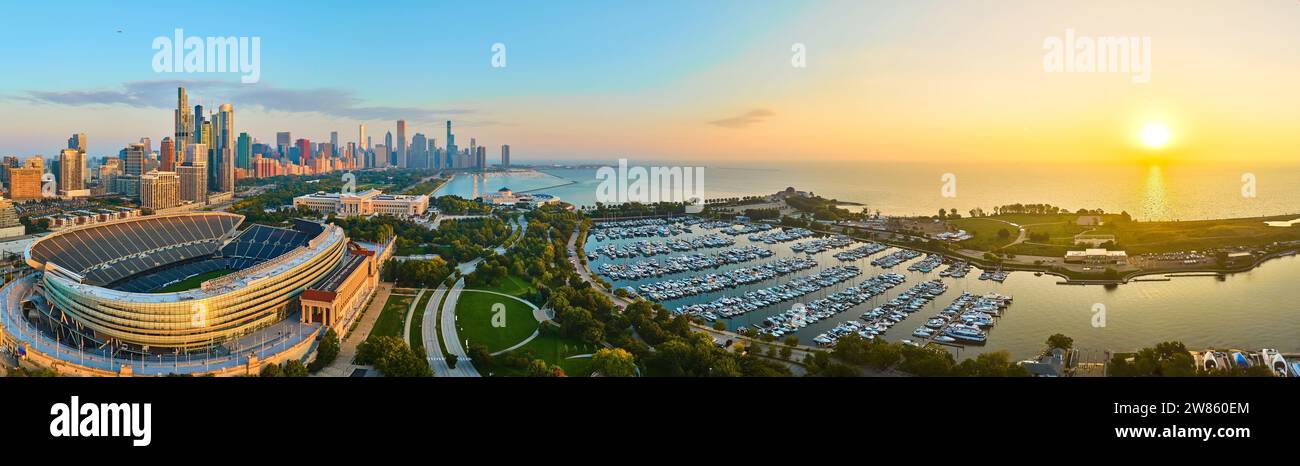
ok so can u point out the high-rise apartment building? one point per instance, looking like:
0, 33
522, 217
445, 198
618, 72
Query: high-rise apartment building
25, 181
167, 155
134, 159
193, 174
505, 156
72, 171
159, 190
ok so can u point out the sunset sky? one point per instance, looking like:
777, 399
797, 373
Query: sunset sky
596, 80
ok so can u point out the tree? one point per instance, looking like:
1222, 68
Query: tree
271, 370
294, 368
719, 325
326, 351
451, 360
393, 357
1059, 341
1003, 233
613, 362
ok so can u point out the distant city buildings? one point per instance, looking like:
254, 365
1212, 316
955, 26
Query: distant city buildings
505, 156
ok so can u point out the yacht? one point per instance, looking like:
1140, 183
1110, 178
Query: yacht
1275, 361
966, 333
945, 339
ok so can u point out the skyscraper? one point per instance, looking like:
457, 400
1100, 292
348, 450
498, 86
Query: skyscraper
78, 142
282, 142
184, 124
304, 151
159, 190
401, 143
167, 152
193, 174
334, 143
361, 138
72, 171
451, 147
388, 142
135, 159
245, 145
417, 158
223, 133
505, 156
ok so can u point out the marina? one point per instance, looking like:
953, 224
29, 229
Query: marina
1141, 313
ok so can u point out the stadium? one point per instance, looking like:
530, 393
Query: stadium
187, 293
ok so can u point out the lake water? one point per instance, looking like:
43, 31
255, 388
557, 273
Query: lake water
1251, 310
1147, 192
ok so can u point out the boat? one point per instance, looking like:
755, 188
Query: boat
1275, 361
1295, 369
1208, 362
966, 333
945, 339
922, 333
1240, 359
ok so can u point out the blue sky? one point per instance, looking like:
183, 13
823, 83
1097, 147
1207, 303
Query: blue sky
417, 55
680, 80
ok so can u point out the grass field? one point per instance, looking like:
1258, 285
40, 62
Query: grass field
474, 316
1148, 237
985, 232
389, 323
193, 282
555, 349
514, 286
417, 321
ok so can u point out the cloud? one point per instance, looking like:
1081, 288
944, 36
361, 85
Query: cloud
744, 120
162, 94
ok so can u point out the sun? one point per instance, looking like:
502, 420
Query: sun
1155, 135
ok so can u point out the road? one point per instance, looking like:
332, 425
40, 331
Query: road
450, 337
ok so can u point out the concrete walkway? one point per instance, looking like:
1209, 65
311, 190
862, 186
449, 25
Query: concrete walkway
342, 365
410, 312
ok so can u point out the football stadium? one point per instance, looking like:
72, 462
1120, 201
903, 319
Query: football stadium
188, 293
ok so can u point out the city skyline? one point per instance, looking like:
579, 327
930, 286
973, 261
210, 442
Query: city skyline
883, 81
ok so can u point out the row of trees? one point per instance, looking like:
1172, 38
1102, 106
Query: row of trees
393, 357
851, 352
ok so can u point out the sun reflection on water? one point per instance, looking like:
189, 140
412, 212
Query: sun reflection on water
1155, 201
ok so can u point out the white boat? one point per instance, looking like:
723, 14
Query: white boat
945, 339
1275, 361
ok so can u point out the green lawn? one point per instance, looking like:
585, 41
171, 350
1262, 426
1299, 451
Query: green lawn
985, 232
555, 349
390, 320
417, 321
193, 282
474, 315
514, 286
1145, 237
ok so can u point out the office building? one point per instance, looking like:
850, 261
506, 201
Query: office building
401, 144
